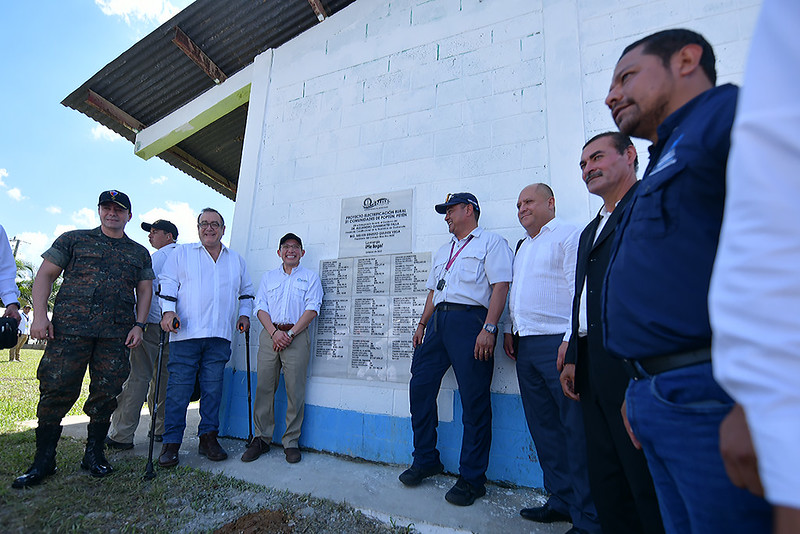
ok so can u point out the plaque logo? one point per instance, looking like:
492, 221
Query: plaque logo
372, 204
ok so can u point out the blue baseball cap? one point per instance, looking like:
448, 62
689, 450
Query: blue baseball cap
458, 198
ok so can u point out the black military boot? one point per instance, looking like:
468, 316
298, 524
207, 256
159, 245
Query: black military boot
94, 460
44, 462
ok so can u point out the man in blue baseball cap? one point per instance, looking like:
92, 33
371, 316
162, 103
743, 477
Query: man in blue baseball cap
468, 284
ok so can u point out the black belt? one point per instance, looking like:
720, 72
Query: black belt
449, 306
647, 367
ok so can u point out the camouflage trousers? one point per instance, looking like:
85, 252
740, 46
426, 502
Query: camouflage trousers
61, 373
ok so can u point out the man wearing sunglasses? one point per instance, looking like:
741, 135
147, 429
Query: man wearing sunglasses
467, 285
206, 287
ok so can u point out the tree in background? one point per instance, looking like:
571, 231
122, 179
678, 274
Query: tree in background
26, 271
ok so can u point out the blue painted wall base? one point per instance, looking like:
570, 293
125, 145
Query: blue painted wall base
383, 438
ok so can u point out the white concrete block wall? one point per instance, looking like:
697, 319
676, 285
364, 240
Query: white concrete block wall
726, 24
444, 96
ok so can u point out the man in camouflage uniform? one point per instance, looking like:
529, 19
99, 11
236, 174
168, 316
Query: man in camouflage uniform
93, 323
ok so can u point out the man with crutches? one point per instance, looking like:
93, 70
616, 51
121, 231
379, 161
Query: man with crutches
288, 299
206, 287
162, 235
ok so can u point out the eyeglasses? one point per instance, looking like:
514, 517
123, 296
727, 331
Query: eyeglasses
205, 224
290, 246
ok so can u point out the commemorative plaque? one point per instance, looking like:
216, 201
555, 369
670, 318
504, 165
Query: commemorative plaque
369, 312
375, 225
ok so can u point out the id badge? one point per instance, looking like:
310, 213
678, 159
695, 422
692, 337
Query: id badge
440, 285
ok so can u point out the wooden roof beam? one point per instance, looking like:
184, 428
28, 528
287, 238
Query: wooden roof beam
319, 9
204, 169
109, 109
197, 55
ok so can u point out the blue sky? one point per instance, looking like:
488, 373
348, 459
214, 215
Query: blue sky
55, 161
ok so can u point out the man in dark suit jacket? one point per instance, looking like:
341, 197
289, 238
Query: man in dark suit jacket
618, 475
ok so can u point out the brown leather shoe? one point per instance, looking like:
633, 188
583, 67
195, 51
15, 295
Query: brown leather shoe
256, 448
292, 454
169, 455
210, 447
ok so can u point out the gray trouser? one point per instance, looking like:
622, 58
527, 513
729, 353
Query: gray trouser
294, 362
144, 358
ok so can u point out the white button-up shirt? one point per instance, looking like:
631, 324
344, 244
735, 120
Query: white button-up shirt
158, 258
8, 271
484, 261
540, 299
24, 323
207, 292
286, 296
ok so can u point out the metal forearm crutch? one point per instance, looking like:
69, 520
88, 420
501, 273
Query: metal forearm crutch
249, 398
149, 472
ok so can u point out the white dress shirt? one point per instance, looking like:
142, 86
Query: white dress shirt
8, 271
24, 323
754, 301
540, 299
207, 292
158, 258
583, 321
286, 296
484, 261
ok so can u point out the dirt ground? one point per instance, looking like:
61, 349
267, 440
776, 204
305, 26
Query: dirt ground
262, 522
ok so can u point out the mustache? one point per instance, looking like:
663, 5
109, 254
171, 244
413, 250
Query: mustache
593, 174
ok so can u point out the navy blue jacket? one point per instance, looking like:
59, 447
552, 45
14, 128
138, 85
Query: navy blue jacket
656, 289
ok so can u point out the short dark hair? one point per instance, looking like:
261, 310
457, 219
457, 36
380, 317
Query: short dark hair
620, 141
666, 43
204, 210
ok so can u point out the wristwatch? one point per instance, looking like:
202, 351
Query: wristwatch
140, 325
491, 328
290, 334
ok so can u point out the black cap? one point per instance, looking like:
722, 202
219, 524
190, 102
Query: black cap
289, 236
162, 224
8, 332
458, 198
117, 197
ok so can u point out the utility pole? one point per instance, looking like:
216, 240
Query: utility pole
16, 244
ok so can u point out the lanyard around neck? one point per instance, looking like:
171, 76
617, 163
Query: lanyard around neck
452, 247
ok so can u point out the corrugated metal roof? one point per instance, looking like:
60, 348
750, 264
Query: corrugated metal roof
154, 77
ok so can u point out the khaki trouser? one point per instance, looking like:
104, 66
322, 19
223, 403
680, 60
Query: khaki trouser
294, 361
144, 358
13, 353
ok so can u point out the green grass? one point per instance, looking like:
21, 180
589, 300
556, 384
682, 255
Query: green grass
73, 501
19, 390
181, 499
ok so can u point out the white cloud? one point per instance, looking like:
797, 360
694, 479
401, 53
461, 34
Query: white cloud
141, 10
3, 174
180, 214
61, 228
106, 134
85, 218
31, 246
16, 194
160, 180
55, 210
